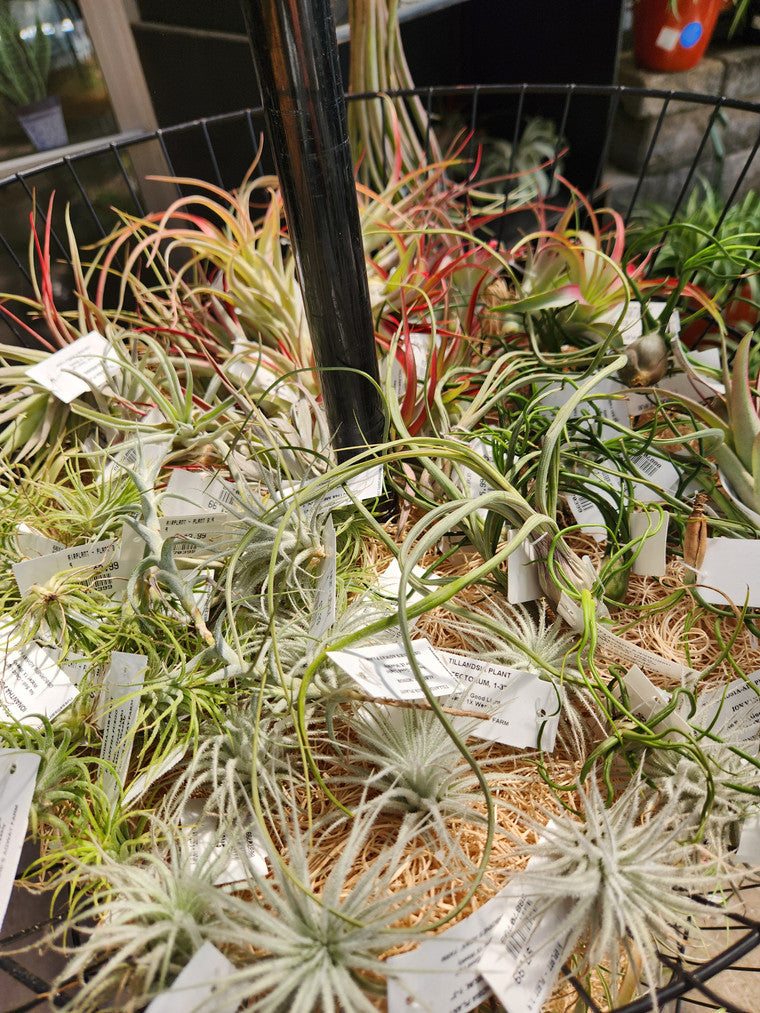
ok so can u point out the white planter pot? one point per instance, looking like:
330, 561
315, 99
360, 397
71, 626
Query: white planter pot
43, 123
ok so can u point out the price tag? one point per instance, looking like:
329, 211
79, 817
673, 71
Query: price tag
110, 575
588, 514
199, 986
522, 574
524, 957
187, 492
523, 705
31, 543
384, 671
18, 774
323, 616
85, 364
737, 708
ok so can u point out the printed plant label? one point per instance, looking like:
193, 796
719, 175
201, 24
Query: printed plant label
524, 957
523, 705
110, 572
205, 845
119, 706
187, 492
384, 671
31, 683
18, 774
441, 975
323, 616
198, 987
85, 364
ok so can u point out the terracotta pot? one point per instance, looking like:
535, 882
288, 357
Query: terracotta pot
666, 41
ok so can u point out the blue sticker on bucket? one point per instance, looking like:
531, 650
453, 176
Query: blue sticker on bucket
691, 34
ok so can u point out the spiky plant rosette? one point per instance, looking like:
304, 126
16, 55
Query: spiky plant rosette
301, 936
631, 873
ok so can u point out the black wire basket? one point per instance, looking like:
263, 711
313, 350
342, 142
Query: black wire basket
92, 189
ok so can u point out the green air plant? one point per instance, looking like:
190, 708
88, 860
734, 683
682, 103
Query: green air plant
731, 424
712, 245
24, 65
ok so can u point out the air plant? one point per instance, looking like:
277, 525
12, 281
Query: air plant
574, 281
732, 425
629, 874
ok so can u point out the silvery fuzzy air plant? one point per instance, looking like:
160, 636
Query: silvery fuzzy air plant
146, 916
250, 756
630, 880
303, 939
407, 754
319, 934
717, 787
524, 639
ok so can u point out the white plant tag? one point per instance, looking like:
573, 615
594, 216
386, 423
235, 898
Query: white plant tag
651, 558
748, 850
204, 844
645, 700
199, 986
614, 409
739, 708
617, 647
522, 704
117, 715
441, 975
388, 584
522, 574
195, 531
31, 683
524, 957
588, 514
323, 616
661, 473
188, 492
31, 543
110, 575
630, 326
85, 364
18, 774
384, 671
152, 449
731, 572
475, 484
366, 485
420, 348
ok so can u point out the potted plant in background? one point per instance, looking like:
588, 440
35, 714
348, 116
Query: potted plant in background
24, 71
670, 35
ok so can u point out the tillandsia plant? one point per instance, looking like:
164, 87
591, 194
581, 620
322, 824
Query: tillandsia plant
730, 425
629, 876
244, 559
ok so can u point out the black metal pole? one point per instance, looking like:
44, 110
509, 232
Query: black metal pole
295, 54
